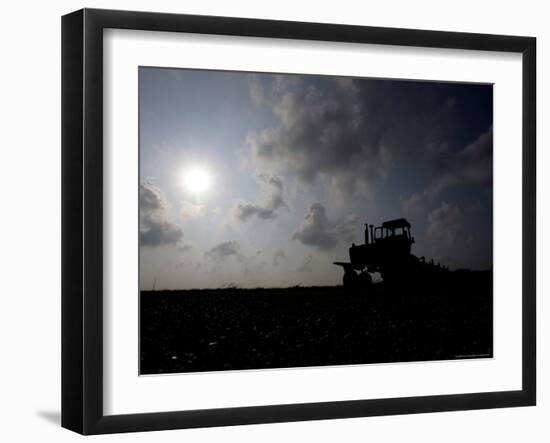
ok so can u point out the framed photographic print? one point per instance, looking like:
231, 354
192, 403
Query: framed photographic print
269, 221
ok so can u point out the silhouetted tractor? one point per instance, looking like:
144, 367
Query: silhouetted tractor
387, 250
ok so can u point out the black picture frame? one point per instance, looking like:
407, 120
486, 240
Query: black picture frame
82, 218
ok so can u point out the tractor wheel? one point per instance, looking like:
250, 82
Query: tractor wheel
365, 279
350, 279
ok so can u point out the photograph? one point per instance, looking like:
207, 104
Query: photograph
297, 220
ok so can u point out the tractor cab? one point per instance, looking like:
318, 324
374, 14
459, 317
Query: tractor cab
389, 242
396, 234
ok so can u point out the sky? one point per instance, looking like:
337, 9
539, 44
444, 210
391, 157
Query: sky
264, 180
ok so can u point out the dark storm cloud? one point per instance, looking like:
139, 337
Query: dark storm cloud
154, 227
354, 131
318, 231
224, 250
267, 210
319, 133
471, 165
460, 235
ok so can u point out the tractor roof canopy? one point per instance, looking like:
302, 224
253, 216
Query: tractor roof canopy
397, 223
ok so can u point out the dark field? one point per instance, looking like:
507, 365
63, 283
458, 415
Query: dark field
229, 329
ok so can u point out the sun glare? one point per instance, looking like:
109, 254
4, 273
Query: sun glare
197, 180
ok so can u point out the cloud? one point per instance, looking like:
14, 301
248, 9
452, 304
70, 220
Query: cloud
191, 210
474, 164
307, 265
245, 211
412, 206
318, 231
278, 256
267, 210
154, 227
224, 250
350, 132
263, 93
272, 180
445, 230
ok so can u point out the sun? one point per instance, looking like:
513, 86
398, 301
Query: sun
197, 180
